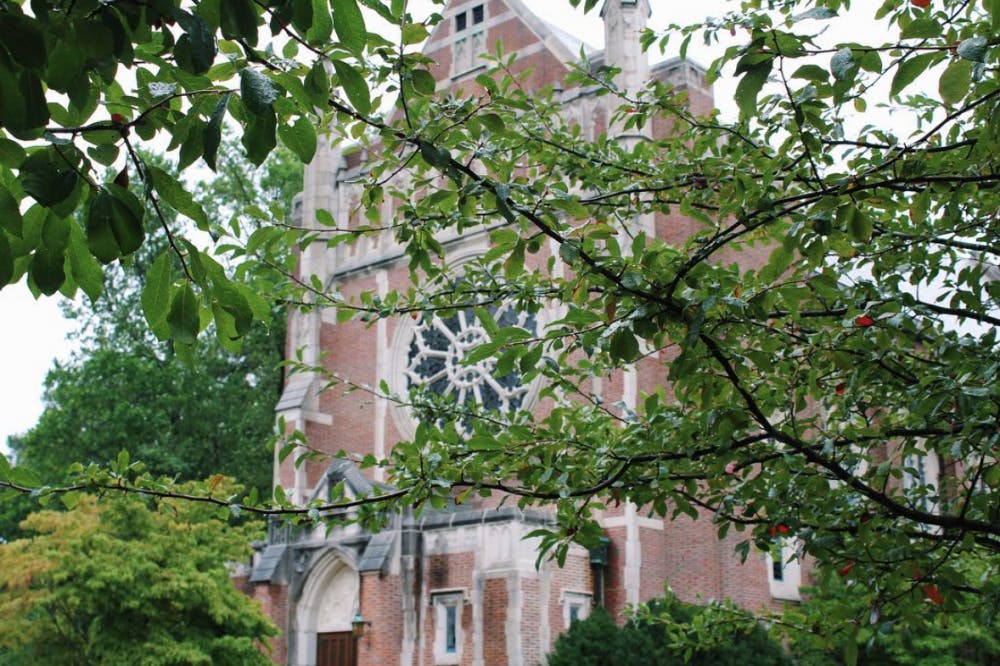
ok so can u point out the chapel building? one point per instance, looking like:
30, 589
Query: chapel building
460, 585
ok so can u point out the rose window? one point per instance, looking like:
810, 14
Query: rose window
435, 361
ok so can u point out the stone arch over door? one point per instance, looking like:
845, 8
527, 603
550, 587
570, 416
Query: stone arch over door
330, 598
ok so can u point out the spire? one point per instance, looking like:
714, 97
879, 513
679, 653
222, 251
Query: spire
624, 21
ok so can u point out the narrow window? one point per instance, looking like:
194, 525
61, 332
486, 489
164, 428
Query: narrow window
477, 14
777, 568
448, 634
460, 24
451, 629
576, 606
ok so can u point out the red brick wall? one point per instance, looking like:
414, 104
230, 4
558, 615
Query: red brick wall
274, 601
495, 600
382, 605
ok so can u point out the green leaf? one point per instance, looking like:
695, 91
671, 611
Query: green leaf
355, 87
105, 154
818, 13
438, 157
23, 39
350, 25
48, 177
183, 317
201, 41
10, 214
173, 193
238, 20
211, 136
624, 346
414, 33
842, 63
813, 73
55, 233
955, 82
114, 223
100, 237
259, 137
909, 70
11, 153
922, 28
12, 106
84, 267
300, 138
973, 49
47, 271
321, 25
156, 295
750, 85
257, 92
424, 83
33, 95
317, 84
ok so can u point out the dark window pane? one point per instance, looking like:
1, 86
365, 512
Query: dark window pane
450, 629
459, 22
477, 14
778, 569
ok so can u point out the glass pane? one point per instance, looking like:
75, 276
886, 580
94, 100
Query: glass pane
451, 629
477, 14
459, 22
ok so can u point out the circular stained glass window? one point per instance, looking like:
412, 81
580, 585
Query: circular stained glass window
437, 351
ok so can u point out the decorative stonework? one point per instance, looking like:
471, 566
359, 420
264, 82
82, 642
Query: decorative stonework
430, 353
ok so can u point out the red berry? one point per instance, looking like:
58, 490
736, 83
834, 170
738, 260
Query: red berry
841, 387
864, 321
923, 4
933, 595
118, 119
846, 569
783, 529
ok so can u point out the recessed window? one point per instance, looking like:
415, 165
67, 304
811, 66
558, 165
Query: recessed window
460, 22
777, 567
447, 626
576, 606
477, 14
784, 574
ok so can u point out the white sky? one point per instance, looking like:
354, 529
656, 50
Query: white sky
32, 335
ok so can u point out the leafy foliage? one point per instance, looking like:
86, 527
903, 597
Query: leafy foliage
827, 319
598, 640
123, 389
943, 639
122, 582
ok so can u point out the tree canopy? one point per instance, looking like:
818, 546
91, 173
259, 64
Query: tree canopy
804, 391
123, 389
123, 582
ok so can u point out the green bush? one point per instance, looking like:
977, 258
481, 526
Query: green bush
646, 641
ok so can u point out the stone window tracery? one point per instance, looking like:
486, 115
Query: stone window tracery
436, 361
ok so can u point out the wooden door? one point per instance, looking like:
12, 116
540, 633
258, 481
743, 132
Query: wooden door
336, 649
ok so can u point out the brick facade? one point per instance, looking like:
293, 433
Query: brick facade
472, 558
